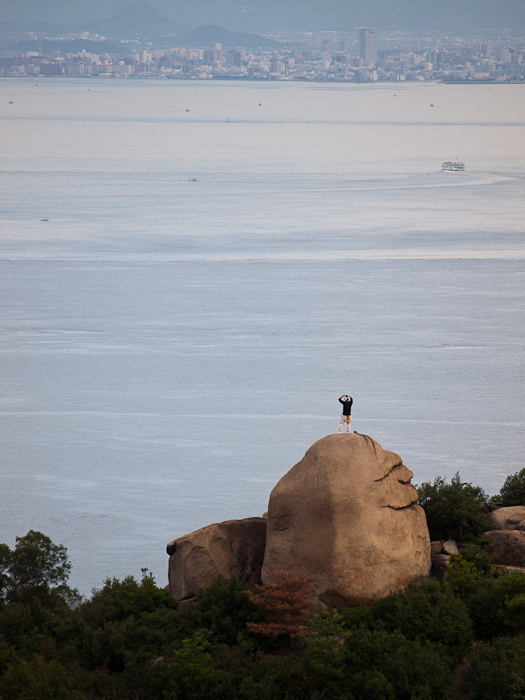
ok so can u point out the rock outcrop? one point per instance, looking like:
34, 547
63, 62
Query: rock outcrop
510, 518
507, 547
232, 548
348, 514
444, 547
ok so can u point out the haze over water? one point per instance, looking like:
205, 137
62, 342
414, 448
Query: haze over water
169, 348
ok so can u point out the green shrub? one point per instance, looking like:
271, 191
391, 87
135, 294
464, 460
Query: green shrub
497, 670
477, 553
284, 677
453, 510
412, 669
360, 616
38, 679
126, 623
118, 600
372, 684
428, 610
488, 596
513, 490
515, 612
224, 609
325, 652
190, 672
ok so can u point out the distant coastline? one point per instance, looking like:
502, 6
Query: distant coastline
485, 81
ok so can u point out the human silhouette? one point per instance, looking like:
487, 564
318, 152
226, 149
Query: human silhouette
347, 402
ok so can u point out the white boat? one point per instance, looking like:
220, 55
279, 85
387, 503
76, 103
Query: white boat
453, 165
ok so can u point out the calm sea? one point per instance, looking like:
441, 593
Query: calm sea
191, 274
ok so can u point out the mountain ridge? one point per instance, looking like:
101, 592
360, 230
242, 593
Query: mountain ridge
208, 35
135, 20
138, 20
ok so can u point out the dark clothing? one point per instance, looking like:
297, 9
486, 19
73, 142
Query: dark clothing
347, 406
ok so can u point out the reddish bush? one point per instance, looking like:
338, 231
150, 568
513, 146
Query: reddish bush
284, 598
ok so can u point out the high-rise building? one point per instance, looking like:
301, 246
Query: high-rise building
213, 57
367, 45
233, 58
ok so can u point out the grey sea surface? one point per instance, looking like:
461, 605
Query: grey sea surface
171, 347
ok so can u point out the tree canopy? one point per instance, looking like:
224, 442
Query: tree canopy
35, 567
453, 510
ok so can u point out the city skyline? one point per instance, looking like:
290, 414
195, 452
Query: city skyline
325, 57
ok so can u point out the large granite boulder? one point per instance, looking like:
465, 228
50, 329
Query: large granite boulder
507, 547
232, 548
510, 518
348, 514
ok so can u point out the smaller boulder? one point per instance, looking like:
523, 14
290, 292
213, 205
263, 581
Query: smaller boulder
507, 547
232, 548
436, 547
440, 564
450, 547
189, 605
511, 569
509, 518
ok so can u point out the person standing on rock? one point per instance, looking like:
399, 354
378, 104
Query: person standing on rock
347, 402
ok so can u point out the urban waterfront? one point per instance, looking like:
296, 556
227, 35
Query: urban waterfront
368, 55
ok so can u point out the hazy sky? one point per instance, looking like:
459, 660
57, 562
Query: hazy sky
288, 14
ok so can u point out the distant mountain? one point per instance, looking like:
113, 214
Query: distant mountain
135, 20
209, 34
49, 47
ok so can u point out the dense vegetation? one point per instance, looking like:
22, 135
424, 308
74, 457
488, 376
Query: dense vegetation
453, 510
513, 490
463, 639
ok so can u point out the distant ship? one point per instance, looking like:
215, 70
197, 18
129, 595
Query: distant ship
453, 165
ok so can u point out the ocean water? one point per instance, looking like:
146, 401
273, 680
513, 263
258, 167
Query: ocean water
170, 348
